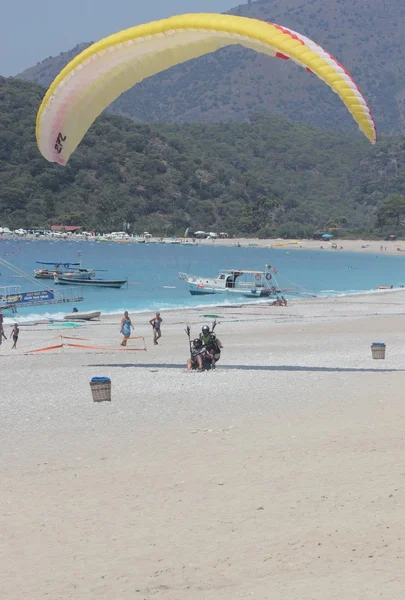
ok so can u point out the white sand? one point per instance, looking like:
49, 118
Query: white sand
365, 246
279, 476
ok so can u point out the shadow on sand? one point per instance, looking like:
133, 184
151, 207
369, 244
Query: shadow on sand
253, 368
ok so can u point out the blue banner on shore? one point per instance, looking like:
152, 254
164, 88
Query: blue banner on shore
29, 297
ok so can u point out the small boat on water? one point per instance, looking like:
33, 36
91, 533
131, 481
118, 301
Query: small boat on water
251, 284
111, 283
59, 268
82, 316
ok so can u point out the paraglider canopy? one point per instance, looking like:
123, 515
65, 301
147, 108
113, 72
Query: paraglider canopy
103, 71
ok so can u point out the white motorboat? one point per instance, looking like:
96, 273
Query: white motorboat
237, 282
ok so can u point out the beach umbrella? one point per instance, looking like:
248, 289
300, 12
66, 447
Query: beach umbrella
327, 236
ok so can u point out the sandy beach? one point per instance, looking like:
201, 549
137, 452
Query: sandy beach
278, 476
365, 246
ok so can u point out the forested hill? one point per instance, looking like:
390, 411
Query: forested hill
366, 36
268, 176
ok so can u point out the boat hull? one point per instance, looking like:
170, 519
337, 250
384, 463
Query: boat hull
204, 292
229, 292
116, 283
83, 316
43, 276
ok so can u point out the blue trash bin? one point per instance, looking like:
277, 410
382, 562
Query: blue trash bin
101, 389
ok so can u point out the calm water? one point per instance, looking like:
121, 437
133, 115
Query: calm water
152, 270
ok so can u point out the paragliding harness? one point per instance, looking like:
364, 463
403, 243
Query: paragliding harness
213, 348
209, 352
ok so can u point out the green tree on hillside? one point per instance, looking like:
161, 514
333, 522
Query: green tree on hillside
392, 210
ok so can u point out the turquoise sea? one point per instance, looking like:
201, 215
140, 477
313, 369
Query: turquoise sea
152, 272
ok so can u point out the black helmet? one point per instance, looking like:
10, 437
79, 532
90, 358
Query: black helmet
197, 342
205, 329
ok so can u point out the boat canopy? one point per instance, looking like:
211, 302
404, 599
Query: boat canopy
59, 263
242, 272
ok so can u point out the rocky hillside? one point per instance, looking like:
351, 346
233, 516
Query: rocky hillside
365, 35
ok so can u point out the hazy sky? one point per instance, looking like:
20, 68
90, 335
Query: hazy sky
32, 30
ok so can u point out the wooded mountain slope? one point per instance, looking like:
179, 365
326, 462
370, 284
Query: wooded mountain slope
366, 36
268, 176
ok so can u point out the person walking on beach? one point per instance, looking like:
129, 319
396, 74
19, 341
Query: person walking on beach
126, 325
156, 324
15, 333
2, 334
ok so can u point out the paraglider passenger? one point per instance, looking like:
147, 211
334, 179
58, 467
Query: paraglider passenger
196, 361
213, 349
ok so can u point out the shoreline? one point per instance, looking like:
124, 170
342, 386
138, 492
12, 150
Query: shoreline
383, 247
30, 320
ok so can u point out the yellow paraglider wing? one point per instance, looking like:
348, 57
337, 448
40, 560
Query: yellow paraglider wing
102, 72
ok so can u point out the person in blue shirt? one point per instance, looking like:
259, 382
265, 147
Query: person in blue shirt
126, 325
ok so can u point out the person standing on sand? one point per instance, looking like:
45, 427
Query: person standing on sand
1, 329
2, 334
126, 325
156, 324
15, 333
